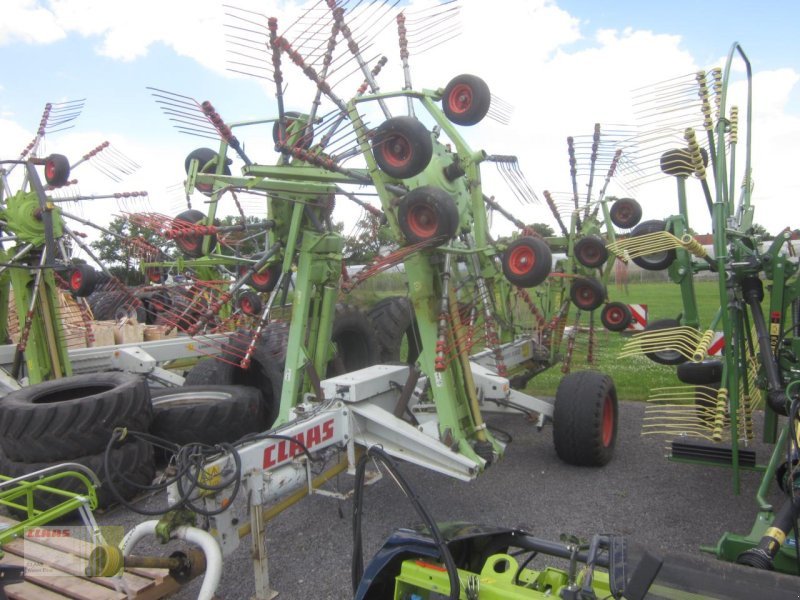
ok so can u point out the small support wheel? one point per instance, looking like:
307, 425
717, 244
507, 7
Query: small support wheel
625, 213
587, 293
591, 251
527, 261
466, 100
82, 280
428, 213
266, 280
585, 418
664, 357
250, 303
56, 170
208, 164
657, 261
616, 316
402, 147
190, 245
292, 119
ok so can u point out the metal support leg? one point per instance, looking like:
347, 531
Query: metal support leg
259, 553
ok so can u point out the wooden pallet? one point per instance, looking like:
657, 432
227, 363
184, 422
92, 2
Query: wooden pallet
63, 576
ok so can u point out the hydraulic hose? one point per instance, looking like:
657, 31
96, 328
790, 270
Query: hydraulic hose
193, 535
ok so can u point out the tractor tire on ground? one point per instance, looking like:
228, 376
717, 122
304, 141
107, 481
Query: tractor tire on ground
355, 340
132, 460
73, 416
585, 419
664, 357
207, 414
105, 304
396, 326
264, 373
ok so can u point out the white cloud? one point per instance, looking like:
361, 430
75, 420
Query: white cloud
560, 76
29, 22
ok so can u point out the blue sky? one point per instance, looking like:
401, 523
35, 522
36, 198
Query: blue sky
563, 64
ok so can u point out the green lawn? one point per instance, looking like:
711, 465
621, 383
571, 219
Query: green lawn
634, 376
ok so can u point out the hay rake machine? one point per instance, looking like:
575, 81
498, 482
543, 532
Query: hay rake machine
47, 284
426, 180
710, 416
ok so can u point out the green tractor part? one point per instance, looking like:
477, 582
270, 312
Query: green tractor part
711, 415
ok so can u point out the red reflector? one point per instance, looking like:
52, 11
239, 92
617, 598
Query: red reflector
426, 565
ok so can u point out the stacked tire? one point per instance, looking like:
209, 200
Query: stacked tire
71, 420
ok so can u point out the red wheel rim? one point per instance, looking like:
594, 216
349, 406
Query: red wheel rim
460, 99
49, 170
154, 275
608, 421
614, 315
521, 260
590, 254
261, 279
247, 306
423, 221
75, 280
585, 296
396, 150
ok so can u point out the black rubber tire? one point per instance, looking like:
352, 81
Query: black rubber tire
707, 372
207, 414
677, 162
265, 371
587, 293
527, 261
107, 304
466, 100
402, 147
303, 142
132, 460
591, 251
664, 357
82, 280
625, 213
427, 213
208, 164
657, 261
616, 316
585, 419
355, 340
266, 280
56, 170
192, 245
72, 416
250, 303
394, 321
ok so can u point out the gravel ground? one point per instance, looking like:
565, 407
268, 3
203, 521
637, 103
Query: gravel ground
666, 507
